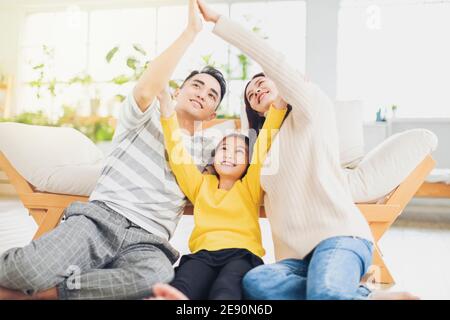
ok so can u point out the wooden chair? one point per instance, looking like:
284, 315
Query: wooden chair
47, 209
434, 190
381, 216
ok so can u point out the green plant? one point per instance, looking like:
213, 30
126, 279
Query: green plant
244, 63
83, 79
137, 63
34, 118
44, 79
95, 128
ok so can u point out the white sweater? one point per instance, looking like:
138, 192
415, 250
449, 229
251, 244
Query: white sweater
307, 199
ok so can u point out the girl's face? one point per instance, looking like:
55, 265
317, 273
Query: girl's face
231, 158
260, 93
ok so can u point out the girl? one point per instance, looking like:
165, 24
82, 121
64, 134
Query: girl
226, 240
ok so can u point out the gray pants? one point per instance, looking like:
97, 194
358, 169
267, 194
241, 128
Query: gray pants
95, 253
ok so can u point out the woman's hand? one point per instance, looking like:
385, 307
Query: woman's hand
165, 103
208, 14
195, 24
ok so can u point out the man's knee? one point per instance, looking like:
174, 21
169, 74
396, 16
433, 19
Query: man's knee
160, 270
18, 272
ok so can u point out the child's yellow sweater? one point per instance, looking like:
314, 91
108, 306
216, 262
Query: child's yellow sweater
223, 219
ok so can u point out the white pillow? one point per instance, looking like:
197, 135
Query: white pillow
349, 122
388, 164
52, 159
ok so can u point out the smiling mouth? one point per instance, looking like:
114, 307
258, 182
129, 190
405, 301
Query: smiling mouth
197, 104
228, 164
261, 96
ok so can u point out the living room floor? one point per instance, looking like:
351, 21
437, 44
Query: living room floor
417, 252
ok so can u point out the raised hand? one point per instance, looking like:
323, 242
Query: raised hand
165, 103
194, 21
279, 103
208, 14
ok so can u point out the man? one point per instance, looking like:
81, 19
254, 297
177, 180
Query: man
116, 245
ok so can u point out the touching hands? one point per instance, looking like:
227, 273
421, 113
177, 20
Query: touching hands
208, 14
195, 23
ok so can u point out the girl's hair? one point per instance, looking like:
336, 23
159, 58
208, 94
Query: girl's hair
255, 121
210, 167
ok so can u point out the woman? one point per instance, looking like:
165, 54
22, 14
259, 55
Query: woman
322, 242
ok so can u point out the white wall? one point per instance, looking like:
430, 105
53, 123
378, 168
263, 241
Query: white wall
321, 43
10, 21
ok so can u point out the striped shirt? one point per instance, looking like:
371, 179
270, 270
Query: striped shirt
136, 180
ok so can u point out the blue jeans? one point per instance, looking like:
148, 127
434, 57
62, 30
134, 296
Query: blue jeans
332, 271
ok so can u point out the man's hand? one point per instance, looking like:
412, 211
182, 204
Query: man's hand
155, 78
165, 102
194, 21
208, 14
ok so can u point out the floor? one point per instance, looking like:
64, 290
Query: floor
416, 248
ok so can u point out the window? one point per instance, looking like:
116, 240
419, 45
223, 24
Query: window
395, 53
72, 69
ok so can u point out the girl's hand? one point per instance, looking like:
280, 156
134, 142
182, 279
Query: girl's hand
195, 24
165, 102
279, 103
208, 14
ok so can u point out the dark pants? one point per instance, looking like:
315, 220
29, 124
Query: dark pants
214, 275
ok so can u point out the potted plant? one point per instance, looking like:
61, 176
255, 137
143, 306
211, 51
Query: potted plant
394, 111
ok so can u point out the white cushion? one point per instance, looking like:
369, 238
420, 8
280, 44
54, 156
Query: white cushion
52, 159
349, 122
388, 164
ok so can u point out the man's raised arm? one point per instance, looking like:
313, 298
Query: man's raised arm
157, 75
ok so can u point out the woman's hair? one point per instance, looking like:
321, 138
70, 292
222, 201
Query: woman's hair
255, 121
210, 167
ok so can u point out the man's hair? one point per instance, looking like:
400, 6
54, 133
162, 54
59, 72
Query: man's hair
216, 74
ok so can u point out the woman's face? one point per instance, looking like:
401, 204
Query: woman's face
260, 93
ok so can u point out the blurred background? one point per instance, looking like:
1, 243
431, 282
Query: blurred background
71, 57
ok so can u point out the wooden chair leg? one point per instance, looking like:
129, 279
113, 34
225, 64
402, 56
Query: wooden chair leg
379, 272
38, 215
51, 220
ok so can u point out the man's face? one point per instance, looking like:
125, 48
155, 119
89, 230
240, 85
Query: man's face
261, 92
199, 97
